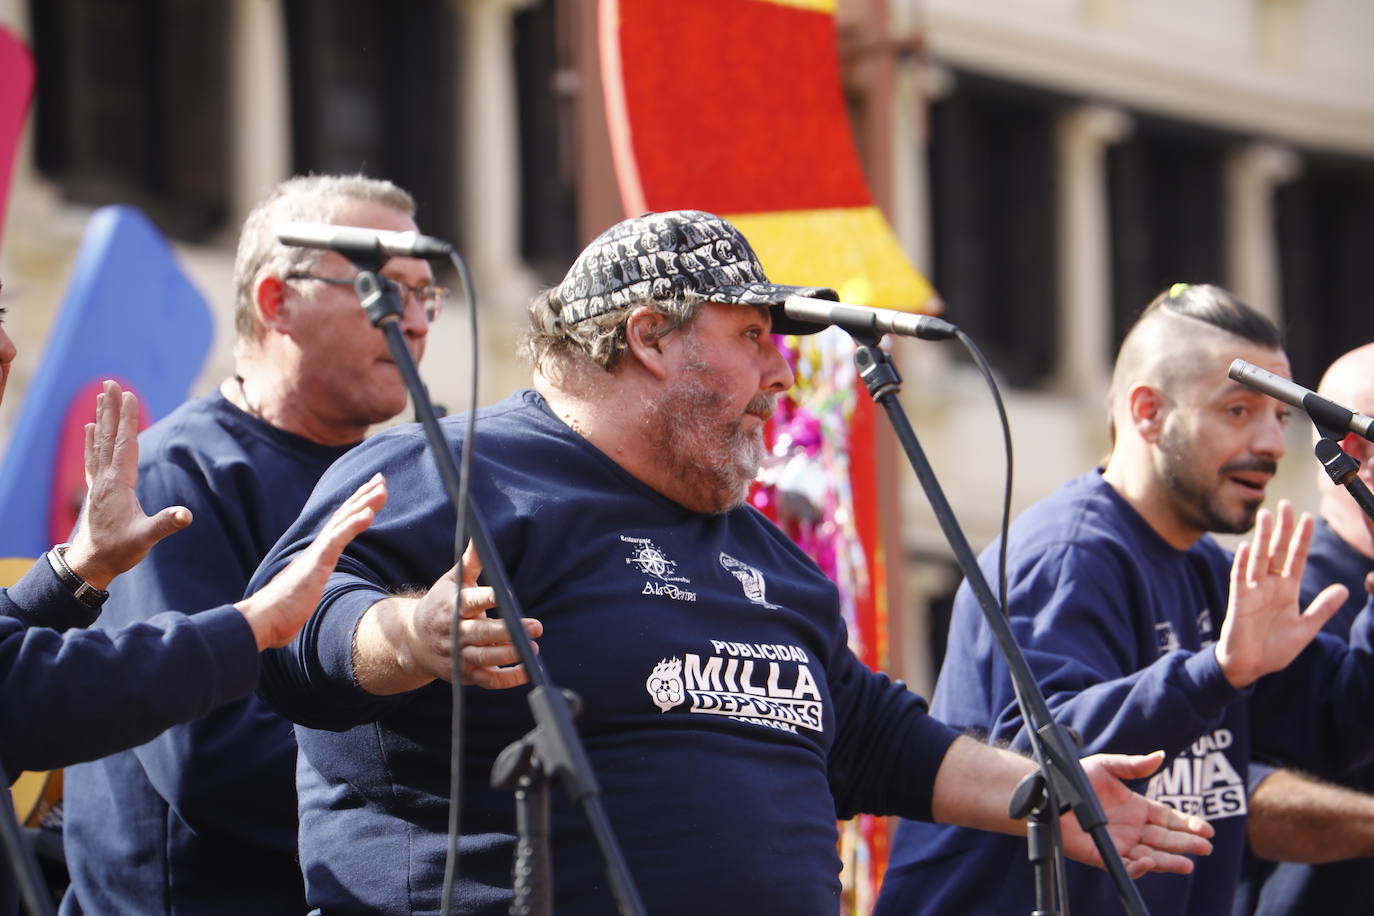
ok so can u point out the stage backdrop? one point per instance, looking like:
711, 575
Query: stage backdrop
16, 87
130, 314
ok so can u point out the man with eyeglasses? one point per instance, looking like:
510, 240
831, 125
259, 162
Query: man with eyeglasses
203, 819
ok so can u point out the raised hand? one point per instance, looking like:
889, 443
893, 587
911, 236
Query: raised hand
1150, 836
278, 610
405, 642
1264, 628
484, 644
114, 534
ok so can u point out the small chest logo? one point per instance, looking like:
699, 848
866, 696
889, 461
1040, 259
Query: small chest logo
1204, 625
651, 561
750, 579
1168, 639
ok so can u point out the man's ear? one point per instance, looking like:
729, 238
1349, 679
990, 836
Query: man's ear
269, 299
644, 334
1148, 406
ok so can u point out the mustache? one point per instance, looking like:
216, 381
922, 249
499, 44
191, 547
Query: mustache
1251, 464
762, 406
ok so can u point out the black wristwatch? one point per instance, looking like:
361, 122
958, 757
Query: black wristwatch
82, 590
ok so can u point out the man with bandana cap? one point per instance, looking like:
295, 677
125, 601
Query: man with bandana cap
726, 719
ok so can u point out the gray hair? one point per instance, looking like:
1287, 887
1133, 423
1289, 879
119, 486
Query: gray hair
556, 348
306, 199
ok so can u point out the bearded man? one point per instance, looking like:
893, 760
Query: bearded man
725, 717
1136, 627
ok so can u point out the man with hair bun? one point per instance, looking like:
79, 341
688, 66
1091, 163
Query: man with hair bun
1144, 633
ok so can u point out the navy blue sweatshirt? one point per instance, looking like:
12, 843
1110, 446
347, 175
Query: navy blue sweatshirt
1117, 627
1336, 888
726, 719
75, 695
202, 819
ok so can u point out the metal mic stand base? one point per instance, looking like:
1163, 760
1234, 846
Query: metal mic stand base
1030, 801
519, 769
18, 858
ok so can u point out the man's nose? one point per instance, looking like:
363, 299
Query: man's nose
777, 374
414, 320
1270, 441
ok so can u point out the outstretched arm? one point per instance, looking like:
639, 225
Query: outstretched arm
278, 610
1299, 818
82, 694
974, 784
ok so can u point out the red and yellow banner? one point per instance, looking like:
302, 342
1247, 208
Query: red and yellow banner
736, 107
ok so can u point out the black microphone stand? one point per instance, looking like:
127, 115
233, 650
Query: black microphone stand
553, 746
1060, 766
19, 858
1341, 467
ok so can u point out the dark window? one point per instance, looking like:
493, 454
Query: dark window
1326, 239
547, 87
1166, 215
992, 179
373, 90
132, 106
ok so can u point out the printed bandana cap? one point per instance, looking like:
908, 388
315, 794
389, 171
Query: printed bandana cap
687, 253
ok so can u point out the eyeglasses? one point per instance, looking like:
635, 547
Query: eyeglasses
430, 297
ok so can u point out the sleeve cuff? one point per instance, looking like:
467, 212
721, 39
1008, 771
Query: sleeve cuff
1212, 692
1256, 773
340, 691
44, 601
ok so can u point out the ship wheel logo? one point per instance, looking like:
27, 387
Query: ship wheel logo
651, 561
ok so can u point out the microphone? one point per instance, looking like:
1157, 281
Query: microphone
865, 320
356, 243
1328, 415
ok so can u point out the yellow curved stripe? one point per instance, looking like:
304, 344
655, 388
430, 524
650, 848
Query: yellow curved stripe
835, 247
820, 6
12, 568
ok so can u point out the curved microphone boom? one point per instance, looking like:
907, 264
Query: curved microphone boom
867, 321
1325, 413
357, 243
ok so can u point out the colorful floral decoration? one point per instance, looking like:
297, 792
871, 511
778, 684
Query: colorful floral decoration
817, 484
806, 479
